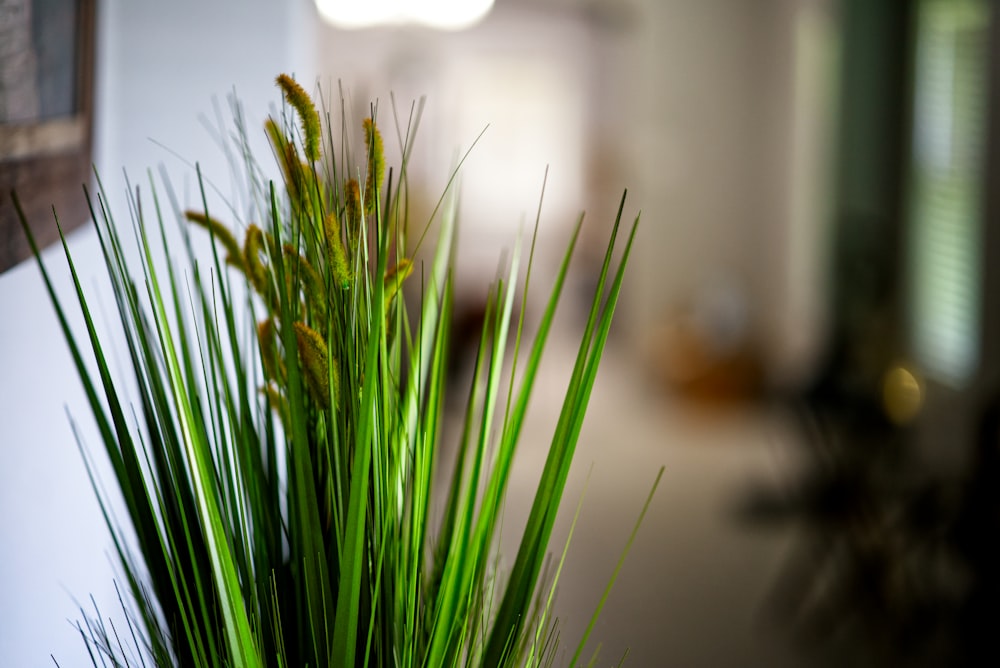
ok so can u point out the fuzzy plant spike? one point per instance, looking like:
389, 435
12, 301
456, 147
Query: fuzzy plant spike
273, 371
311, 285
394, 279
287, 156
376, 165
352, 213
299, 99
222, 234
336, 255
255, 259
315, 363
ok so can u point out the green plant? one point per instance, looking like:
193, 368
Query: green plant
278, 466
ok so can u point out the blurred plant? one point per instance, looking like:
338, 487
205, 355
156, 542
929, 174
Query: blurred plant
278, 470
892, 564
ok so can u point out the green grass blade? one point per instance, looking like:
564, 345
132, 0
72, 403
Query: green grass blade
618, 568
524, 574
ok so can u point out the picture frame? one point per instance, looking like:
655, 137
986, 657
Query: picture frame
46, 119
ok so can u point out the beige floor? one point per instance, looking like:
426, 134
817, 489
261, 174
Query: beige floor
691, 590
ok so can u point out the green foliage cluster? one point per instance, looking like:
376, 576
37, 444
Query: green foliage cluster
278, 468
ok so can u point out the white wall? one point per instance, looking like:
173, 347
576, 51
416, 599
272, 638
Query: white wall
728, 149
800, 104
695, 114
159, 65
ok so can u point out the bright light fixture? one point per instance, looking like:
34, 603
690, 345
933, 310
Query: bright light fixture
439, 14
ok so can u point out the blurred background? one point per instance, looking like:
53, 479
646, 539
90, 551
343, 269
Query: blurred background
808, 341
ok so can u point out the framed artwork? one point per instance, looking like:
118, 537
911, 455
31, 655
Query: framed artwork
46, 118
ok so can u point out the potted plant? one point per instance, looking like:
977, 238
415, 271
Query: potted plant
278, 459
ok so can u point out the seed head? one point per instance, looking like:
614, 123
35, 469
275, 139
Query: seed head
299, 99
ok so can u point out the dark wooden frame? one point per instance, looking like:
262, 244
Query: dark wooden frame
48, 162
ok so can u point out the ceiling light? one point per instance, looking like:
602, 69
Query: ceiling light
438, 14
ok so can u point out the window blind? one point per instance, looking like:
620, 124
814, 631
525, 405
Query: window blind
945, 225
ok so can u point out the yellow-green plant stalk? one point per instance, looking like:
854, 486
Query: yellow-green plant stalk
295, 181
315, 361
336, 256
394, 279
287, 156
352, 213
276, 401
300, 178
234, 256
277, 137
376, 165
270, 359
254, 254
299, 99
313, 287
